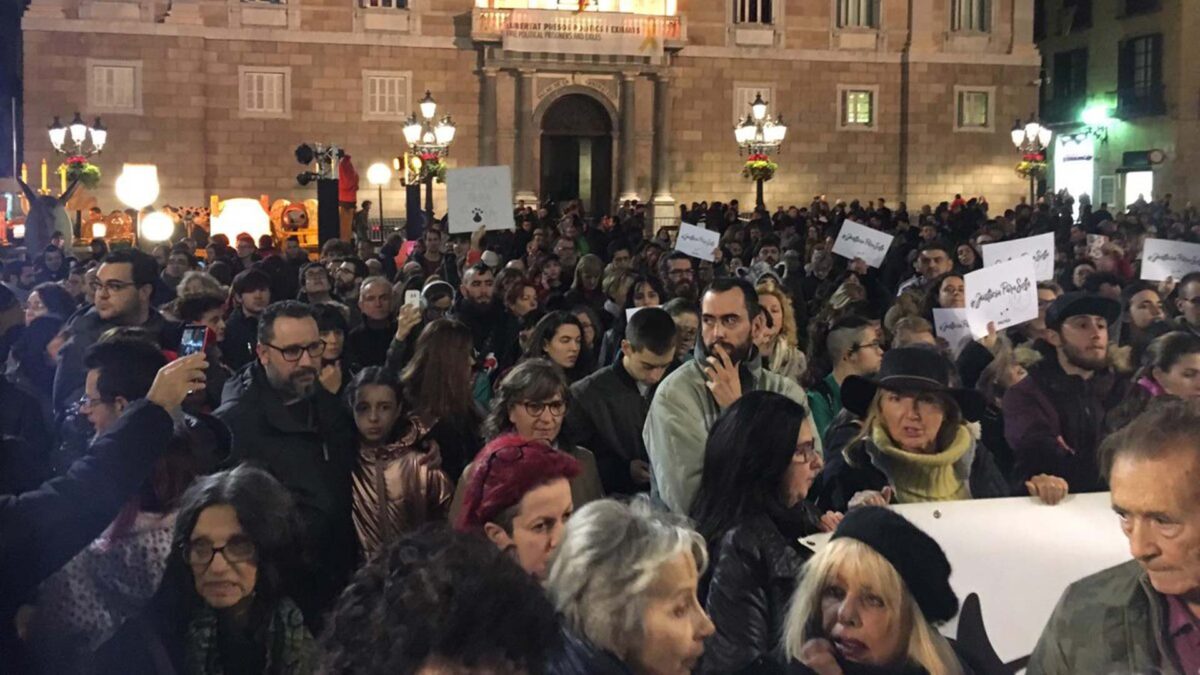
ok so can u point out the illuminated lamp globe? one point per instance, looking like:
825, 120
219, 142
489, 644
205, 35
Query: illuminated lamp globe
242, 215
137, 186
379, 174
99, 230
157, 226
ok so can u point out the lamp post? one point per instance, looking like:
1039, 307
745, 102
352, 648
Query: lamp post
759, 134
79, 132
378, 174
1032, 140
430, 140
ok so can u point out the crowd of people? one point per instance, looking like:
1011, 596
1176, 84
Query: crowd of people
566, 447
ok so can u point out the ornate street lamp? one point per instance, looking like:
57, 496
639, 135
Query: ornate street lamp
430, 140
378, 174
1031, 140
758, 135
79, 132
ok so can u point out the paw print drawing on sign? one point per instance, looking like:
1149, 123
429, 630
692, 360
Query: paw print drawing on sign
477, 215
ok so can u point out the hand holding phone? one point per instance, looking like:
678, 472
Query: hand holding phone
195, 338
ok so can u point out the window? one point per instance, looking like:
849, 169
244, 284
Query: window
752, 11
857, 107
973, 109
1141, 6
1077, 15
265, 92
971, 15
115, 86
1139, 77
1108, 190
744, 94
385, 4
1068, 86
858, 13
386, 95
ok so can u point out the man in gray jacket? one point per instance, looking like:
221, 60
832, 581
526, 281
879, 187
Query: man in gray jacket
1142, 616
688, 402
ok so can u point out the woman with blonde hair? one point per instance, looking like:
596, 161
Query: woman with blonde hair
870, 601
779, 342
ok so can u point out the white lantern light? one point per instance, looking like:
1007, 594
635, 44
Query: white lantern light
379, 174
18, 231
780, 129
412, 131
444, 132
58, 134
744, 132
242, 215
1032, 129
428, 106
137, 186
759, 107
99, 230
1044, 136
157, 226
99, 135
1018, 134
78, 129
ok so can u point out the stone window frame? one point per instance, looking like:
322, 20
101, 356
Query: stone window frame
286, 94
756, 34
405, 109
843, 90
990, 91
991, 7
95, 106
836, 14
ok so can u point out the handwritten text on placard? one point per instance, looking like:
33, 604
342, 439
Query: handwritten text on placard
1162, 258
859, 241
950, 324
1039, 247
697, 241
1005, 294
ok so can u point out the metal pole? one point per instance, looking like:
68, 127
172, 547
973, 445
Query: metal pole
428, 201
380, 211
761, 204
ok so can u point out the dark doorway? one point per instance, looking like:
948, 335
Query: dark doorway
577, 153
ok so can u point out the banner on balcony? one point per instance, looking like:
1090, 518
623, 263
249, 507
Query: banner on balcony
587, 33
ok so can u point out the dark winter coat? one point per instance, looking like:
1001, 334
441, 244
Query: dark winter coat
241, 337
577, 656
1054, 423
755, 572
606, 415
313, 458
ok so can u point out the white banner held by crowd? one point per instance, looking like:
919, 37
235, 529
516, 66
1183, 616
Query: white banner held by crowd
1005, 294
697, 242
480, 195
1162, 258
856, 240
1018, 555
950, 324
1039, 247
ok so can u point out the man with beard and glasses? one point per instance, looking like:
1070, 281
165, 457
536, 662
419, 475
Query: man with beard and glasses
687, 403
1054, 418
282, 420
678, 272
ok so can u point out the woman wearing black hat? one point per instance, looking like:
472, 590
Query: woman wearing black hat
870, 601
916, 444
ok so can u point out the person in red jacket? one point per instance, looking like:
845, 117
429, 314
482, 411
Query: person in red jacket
347, 196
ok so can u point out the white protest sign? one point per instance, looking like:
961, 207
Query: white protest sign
951, 325
1004, 293
479, 195
1039, 247
1162, 258
633, 310
859, 241
1095, 243
697, 241
1018, 555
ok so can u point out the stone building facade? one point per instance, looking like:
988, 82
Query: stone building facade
1123, 95
903, 99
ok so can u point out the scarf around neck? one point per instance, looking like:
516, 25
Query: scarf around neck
942, 476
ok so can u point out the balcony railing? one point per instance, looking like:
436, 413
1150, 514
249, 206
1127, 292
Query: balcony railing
487, 25
1141, 101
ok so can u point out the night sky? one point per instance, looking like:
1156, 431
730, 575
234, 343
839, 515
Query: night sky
10, 77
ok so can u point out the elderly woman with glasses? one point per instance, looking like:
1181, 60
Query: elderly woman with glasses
233, 531
531, 403
624, 580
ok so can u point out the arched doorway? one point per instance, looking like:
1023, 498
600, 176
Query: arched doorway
577, 153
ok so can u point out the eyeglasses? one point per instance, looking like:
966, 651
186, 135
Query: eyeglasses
868, 345
86, 402
807, 453
200, 553
110, 286
292, 353
556, 408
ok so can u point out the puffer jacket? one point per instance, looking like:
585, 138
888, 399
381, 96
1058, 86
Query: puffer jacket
577, 656
1110, 622
755, 572
681, 414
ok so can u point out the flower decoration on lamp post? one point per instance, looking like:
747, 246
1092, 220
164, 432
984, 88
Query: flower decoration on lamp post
430, 140
1031, 140
77, 151
758, 135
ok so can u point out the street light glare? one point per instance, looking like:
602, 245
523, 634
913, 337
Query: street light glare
157, 226
379, 174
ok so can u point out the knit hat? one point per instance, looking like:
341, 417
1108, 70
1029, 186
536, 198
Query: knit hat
916, 557
504, 471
